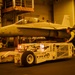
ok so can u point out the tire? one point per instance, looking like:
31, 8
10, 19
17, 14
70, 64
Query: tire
28, 58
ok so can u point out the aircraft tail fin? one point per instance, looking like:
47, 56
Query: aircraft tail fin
66, 21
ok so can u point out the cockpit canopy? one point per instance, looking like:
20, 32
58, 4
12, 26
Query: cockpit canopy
30, 20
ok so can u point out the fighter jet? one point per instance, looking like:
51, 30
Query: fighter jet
38, 29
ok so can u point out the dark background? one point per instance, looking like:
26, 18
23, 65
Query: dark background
57, 67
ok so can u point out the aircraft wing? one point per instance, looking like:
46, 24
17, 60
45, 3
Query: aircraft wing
28, 27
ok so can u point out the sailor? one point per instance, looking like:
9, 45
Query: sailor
72, 35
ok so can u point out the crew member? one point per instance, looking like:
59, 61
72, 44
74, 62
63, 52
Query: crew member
72, 35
